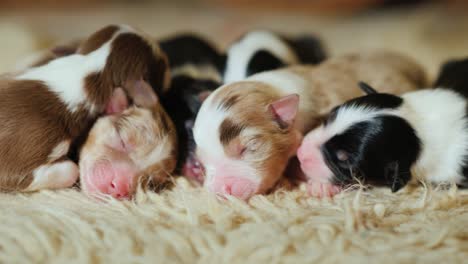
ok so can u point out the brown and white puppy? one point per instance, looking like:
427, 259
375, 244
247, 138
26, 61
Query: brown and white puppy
138, 145
247, 131
45, 108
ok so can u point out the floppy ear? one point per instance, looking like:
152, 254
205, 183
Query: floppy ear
141, 93
118, 102
395, 177
263, 61
194, 101
284, 110
366, 88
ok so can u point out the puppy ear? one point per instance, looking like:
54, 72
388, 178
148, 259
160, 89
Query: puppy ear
194, 101
118, 102
284, 110
366, 88
141, 93
395, 177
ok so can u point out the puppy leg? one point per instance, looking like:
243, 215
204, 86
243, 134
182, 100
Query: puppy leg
61, 174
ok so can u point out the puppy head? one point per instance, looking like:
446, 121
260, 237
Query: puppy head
245, 135
124, 149
362, 139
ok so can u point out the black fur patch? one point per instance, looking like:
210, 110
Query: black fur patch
193, 49
453, 75
380, 152
262, 61
308, 48
182, 103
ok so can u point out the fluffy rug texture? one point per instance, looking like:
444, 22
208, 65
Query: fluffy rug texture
185, 224
188, 225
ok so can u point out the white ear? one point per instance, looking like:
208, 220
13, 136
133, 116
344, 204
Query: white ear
285, 109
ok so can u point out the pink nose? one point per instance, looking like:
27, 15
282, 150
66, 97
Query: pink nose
112, 178
119, 186
241, 188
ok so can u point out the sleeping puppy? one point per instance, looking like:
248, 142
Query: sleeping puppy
247, 131
128, 148
196, 69
45, 108
388, 140
261, 50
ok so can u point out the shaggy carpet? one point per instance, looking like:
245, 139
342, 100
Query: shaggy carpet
185, 224
188, 225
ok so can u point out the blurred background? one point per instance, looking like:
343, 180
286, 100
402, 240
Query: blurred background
429, 31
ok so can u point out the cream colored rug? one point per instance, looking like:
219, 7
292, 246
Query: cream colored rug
188, 225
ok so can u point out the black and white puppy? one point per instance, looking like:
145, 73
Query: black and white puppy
389, 140
262, 50
196, 70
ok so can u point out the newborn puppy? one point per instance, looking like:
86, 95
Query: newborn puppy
136, 146
246, 131
389, 140
196, 68
261, 50
44, 109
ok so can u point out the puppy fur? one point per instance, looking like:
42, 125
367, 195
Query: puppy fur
45, 108
238, 136
390, 140
262, 50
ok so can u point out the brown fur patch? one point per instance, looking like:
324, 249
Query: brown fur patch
97, 39
131, 58
228, 102
229, 130
33, 122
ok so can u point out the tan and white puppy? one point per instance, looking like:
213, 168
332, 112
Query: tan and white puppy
138, 145
247, 131
45, 108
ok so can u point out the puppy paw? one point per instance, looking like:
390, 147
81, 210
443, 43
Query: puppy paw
321, 190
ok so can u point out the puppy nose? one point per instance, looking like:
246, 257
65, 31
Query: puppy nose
241, 188
119, 187
112, 178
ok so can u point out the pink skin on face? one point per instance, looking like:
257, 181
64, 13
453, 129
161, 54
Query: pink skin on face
114, 178
109, 174
241, 188
314, 167
227, 181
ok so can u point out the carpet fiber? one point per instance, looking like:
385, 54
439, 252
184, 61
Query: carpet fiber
186, 224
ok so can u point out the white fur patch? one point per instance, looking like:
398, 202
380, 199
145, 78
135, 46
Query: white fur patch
205, 72
239, 54
54, 176
65, 76
348, 116
60, 150
439, 119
